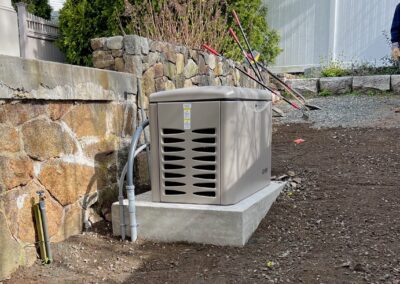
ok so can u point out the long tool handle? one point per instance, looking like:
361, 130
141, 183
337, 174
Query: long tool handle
237, 20
213, 51
286, 86
233, 34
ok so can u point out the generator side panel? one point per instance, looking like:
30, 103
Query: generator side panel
189, 152
155, 155
246, 133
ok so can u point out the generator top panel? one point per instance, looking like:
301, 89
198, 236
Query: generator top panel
211, 93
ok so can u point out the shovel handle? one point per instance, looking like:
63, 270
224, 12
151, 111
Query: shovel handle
235, 16
233, 34
213, 51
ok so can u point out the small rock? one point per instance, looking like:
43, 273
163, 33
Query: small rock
297, 180
346, 264
283, 177
359, 268
291, 173
108, 217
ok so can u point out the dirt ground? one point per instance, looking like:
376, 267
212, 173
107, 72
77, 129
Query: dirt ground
340, 226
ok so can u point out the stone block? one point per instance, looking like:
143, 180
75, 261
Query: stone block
68, 181
168, 51
72, 225
395, 84
145, 46
203, 67
191, 69
98, 43
371, 83
337, 85
304, 86
179, 81
180, 63
211, 61
153, 58
11, 252
114, 42
156, 46
19, 113
87, 120
188, 83
218, 69
117, 53
9, 141
119, 64
158, 70
102, 59
43, 139
170, 70
206, 224
148, 81
160, 84
101, 150
56, 110
169, 85
18, 208
132, 44
134, 65
14, 172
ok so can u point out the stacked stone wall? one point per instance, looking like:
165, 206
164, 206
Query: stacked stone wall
164, 66
64, 130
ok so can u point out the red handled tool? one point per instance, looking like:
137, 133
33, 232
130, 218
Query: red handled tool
213, 51
299, 97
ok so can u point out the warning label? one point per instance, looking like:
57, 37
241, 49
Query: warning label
187, 116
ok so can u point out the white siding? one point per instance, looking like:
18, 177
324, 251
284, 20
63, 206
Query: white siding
316, 30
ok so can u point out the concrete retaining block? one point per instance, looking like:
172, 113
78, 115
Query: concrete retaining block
395, 84
371, 83
336, 85
44, 80
305, 86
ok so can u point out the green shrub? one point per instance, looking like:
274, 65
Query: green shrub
82, 20
334, 69
185, 22
40, 8
253, 15
193, 23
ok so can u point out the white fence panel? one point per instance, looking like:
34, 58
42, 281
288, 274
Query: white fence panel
313, 31
359, 30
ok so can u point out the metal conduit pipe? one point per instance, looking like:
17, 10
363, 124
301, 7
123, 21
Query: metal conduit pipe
130, 188
121, 193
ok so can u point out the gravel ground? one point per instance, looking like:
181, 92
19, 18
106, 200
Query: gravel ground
348, 111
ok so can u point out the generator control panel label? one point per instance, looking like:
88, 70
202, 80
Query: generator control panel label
187, 116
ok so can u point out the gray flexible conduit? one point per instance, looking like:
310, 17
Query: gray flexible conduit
121, 193
130, 185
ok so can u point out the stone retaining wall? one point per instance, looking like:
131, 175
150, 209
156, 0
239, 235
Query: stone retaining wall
64, 130
163, 66
343, 85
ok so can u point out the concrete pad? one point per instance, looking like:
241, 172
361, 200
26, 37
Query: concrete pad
207, 224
